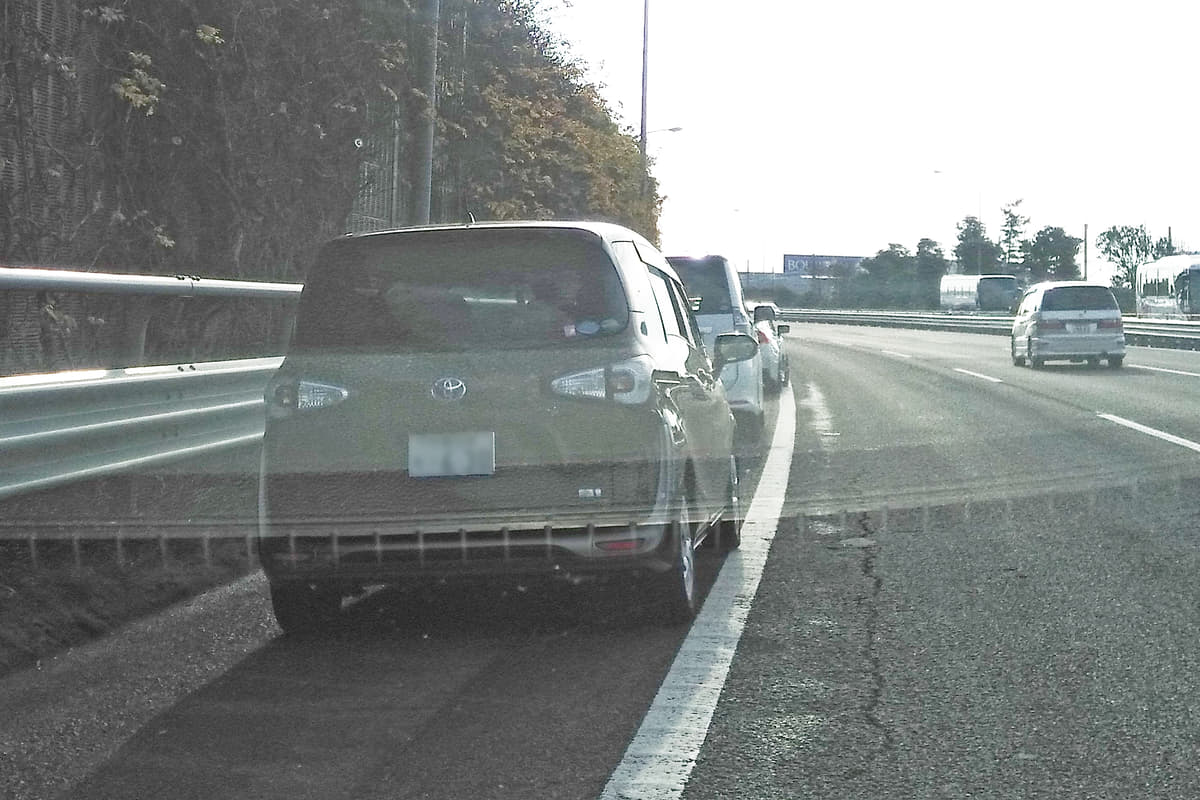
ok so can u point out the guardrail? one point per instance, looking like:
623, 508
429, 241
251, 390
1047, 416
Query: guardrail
128, 346
62, 280
62, 428
1166, 333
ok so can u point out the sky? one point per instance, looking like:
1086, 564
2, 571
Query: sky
839, 128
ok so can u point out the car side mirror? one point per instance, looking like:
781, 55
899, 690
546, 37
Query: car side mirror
730, 348
782, 328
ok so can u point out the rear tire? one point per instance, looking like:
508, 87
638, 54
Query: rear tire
1115, 362
675, 590
729, 530
1018, 361
305, 607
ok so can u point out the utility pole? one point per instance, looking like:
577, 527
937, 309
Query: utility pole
1085, 251
431, 11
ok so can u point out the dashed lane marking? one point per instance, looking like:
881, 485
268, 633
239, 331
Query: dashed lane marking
1168, 371
659, 760
1157, 434
979, 375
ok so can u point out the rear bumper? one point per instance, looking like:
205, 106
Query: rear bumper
361, 552
1066, 347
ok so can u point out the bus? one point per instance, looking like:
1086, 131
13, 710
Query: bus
979, 292
1163, 288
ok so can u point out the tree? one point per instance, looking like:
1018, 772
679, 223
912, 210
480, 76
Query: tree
975, 252
888, 279
1050, 255
930, 267
228, 138
1011, 233
1164, 247
1127, 247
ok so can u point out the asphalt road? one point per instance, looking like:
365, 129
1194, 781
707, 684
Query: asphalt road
978, 587
995, 595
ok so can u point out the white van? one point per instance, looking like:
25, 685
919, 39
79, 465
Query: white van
1068, 321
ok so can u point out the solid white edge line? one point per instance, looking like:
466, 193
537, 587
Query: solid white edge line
979, 375
1157, 434
659, 760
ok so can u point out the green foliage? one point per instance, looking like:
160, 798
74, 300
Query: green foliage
523, 135
1011, 233
1127, 247
1050, 255
975, 252
889, 279
930, 267
226, 137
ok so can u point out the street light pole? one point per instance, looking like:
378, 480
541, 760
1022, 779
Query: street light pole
645, 71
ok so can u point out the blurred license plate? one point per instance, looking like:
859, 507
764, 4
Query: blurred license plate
1081, 327
434, 455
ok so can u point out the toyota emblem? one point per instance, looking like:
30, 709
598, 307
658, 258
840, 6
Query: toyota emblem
449, 389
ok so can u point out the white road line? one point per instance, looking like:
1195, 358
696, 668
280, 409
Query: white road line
1164, 369
894, 353
1157, 434
979, 375
659, 760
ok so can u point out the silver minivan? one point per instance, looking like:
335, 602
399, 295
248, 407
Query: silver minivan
715, 291
1068, 321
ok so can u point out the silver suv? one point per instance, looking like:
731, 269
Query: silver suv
716, 294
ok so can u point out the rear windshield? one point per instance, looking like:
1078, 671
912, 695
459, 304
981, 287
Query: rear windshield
458, 290
705, 278
1078, 298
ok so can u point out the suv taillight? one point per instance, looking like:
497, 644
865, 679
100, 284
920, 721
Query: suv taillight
626, 382
1110, 323
289, 396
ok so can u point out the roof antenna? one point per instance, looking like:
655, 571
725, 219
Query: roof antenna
470, 218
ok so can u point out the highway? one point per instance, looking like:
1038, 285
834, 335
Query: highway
980, 583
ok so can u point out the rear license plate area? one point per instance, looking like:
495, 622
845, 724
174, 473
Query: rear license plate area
444, 455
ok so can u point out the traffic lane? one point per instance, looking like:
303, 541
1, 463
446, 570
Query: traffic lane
433, 693
1046, 651
502, 690
1156, 387
1036, 644
907, 431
